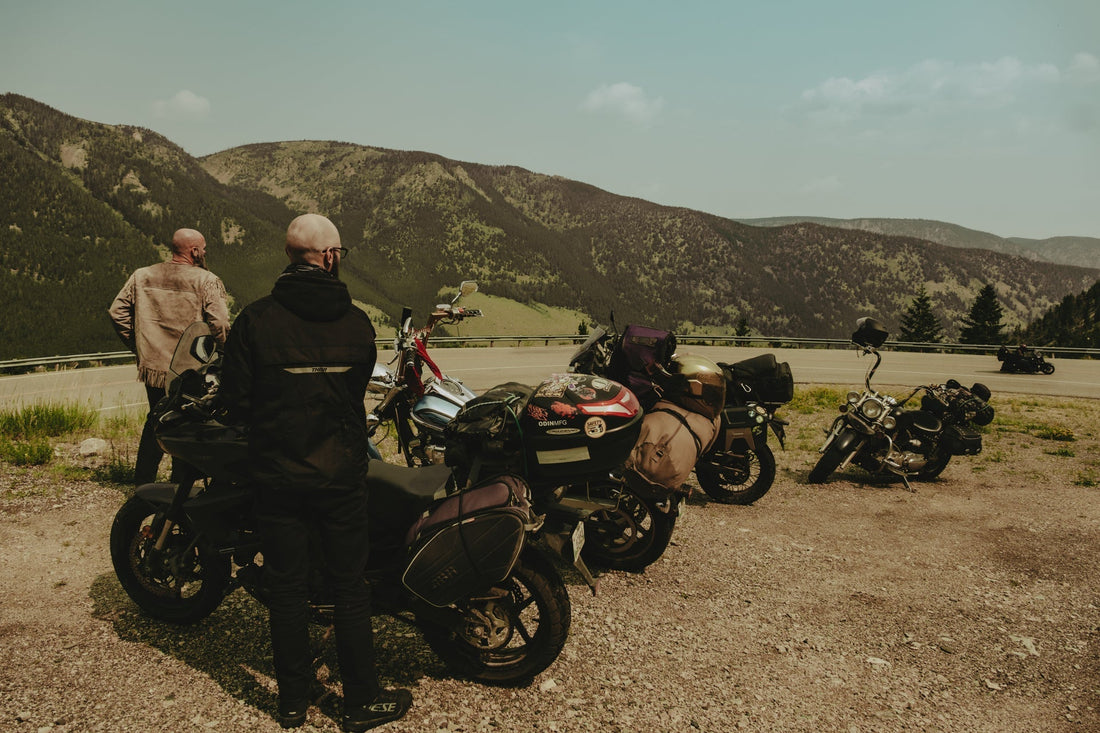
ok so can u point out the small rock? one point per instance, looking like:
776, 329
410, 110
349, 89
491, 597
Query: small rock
547, 685
93, 447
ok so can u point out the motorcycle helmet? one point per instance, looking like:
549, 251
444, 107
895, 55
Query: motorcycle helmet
869, 333
698, 384
980, 391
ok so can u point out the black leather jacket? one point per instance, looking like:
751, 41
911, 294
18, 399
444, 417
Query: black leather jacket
296, 368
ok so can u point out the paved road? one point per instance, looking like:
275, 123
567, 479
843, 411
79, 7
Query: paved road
112, 388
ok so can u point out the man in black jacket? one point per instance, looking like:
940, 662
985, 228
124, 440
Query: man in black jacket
296, 369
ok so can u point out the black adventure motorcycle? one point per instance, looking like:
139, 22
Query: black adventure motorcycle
456, 562
567, 459
875, 431
1023, 360
739, 467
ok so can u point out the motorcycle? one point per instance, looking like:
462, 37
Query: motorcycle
1023, 361
739, 466
875, 431
591, 514
457, 562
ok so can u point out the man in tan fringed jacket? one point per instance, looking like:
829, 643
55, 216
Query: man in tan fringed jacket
151, 311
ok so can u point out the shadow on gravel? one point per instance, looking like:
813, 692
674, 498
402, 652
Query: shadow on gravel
232, 646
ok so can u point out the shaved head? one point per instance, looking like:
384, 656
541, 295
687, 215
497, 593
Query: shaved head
189, 246
308, 237
186, 239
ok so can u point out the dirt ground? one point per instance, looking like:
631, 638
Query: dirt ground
854, 606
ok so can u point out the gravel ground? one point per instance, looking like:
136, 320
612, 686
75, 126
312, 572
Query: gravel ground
970, 605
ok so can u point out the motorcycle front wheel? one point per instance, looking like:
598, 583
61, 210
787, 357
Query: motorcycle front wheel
511, 632
179, 583
833, 456
632, 535
737, 478
1047, 368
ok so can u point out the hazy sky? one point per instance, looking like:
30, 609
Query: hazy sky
983, 113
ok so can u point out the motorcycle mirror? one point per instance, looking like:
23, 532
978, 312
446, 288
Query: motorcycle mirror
467, 287
869, 333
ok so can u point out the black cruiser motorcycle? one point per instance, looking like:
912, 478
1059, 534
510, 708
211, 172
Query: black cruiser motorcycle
590, 513
457, 562
1023, 360
875, 431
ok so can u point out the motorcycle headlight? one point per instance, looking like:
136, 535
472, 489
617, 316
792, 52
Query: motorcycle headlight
853, 397
889, 422
872, 409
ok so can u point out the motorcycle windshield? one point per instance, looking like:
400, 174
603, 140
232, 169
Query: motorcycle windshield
192, 350
597, 333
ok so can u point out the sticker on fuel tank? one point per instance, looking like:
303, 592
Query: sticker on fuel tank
567, 455
595, 427
563, 431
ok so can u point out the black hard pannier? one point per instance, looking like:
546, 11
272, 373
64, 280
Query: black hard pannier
759, 379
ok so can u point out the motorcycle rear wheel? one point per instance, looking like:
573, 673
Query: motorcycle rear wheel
181, 583
737, 478
511, 632
630, 537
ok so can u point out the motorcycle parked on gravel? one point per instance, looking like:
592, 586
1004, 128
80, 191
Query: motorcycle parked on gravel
590, 514
875, 431
457, 562
1023, 360
738, 467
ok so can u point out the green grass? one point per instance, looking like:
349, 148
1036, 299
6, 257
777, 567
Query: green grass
808, 400
33, 452
46, 420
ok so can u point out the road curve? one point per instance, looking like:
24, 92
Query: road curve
116, 387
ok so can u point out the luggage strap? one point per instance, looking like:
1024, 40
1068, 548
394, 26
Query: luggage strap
684, 422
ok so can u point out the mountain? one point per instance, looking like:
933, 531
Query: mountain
1083, 251
1073, 322
85, 204
426, 220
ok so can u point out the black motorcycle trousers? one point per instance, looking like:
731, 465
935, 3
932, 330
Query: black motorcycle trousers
327, 530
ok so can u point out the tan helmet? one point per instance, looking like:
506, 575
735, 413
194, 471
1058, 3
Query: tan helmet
702, 388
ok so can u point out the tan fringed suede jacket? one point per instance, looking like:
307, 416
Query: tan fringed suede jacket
157, 303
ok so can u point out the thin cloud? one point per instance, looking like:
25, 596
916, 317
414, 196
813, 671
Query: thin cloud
930, 84
625, 99
185, 104
1084, 68
829, 184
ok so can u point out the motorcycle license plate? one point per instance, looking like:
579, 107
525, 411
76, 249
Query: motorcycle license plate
578, 539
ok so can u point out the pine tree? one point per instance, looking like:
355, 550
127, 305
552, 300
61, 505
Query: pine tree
983, 324
919, 324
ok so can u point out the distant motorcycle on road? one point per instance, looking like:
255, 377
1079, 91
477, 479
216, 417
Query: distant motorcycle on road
1023, 360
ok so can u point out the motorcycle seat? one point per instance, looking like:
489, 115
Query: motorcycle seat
401, 486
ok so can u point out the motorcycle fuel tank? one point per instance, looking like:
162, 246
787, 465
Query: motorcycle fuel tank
578, 425
441, 402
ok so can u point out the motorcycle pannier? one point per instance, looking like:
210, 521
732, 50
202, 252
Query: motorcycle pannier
760, 378
963, 441
671, 441
470, 540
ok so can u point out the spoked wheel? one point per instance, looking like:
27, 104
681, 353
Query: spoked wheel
632, 535
737, 477
511, 632
180, 583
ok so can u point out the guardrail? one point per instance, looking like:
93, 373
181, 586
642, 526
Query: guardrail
774, 342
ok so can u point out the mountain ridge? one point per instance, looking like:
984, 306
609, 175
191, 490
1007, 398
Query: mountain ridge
417, 223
